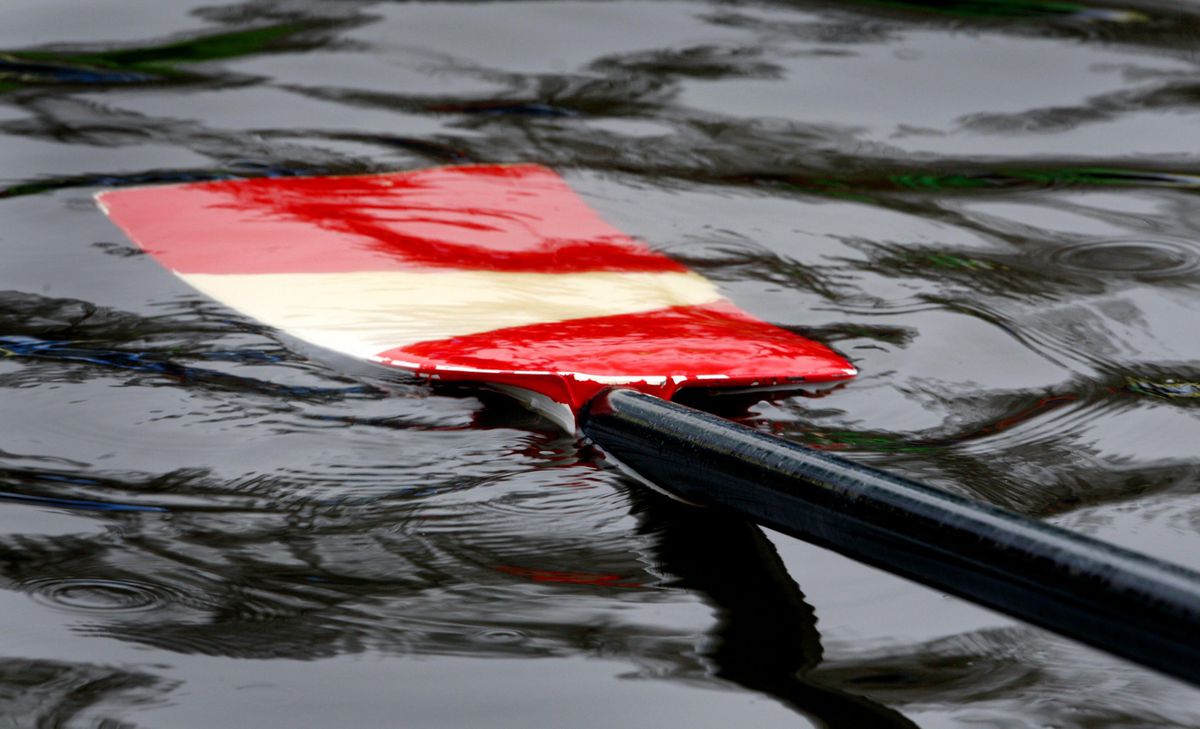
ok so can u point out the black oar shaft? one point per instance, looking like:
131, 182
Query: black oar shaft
1114, 599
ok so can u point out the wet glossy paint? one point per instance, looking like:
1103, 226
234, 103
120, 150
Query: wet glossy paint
480, 217
486, 273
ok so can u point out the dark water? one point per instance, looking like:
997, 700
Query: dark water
990, 205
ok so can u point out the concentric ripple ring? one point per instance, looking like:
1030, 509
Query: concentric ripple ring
97, 595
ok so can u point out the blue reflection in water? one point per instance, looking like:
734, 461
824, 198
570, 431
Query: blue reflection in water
152, 362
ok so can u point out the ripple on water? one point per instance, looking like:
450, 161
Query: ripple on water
499, 636
92, 595
1134, 258
1011, 677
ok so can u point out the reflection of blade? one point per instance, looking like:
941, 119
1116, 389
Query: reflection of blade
570, 578
766, 636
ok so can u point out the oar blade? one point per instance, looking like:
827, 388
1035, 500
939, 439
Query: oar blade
497, 274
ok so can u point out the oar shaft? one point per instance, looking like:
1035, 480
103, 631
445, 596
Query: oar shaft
1120, 601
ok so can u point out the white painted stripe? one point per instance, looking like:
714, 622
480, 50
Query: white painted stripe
365, 313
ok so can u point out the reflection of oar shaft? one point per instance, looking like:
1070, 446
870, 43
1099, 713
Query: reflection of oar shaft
1114, 599
765, 636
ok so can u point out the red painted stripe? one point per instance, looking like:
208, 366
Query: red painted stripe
497, 217
570, 578
685, 343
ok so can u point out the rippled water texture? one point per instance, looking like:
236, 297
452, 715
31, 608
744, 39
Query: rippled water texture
989, 205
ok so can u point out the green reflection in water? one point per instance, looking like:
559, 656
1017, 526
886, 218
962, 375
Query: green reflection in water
838, 440
135, 65
1064, 177
49, 185
1171, 389
865, 189
985, 180
1012, 9
940, 259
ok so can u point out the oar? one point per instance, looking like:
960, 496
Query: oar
500, 275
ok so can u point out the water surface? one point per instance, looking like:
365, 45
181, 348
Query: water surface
989, 205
